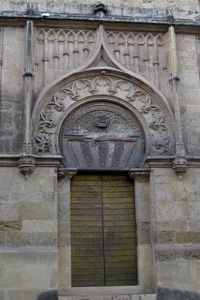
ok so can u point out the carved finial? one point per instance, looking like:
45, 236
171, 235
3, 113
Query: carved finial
30, 9
26, 164
170, 16
100, 10
179, 165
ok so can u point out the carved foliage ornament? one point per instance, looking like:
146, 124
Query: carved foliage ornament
102, 85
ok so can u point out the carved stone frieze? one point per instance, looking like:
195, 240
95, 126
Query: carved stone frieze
111, 86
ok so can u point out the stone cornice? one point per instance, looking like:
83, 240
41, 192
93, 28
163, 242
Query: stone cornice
55, 160
40, 161
147, 19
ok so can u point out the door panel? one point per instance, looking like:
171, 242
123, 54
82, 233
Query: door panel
103, 231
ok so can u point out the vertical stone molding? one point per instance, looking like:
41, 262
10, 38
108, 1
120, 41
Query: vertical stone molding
64, 248
28, 78
143, 217
179, 164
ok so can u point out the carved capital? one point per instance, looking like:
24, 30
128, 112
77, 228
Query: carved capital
26, 164
66, 174
180, 165
140, 174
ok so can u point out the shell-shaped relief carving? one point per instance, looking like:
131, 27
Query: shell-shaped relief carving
142, 53
101, 135
59, 51
159, 127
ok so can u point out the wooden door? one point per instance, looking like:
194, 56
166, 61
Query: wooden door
103, 231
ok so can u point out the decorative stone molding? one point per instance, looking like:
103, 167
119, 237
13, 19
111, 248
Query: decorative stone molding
140, 174
111, 86
26, 164
66, 174
101, 136
58, 51
180, 165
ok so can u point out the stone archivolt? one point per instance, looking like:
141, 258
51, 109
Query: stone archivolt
109, 87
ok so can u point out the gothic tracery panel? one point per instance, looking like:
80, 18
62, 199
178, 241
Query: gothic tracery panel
142, 53
60, 50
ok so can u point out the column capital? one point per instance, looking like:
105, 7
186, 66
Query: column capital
66, 174
140, 174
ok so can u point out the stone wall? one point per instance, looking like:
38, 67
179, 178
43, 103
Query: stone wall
28, 234
158, 84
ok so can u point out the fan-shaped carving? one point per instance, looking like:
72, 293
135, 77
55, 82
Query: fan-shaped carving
101, 135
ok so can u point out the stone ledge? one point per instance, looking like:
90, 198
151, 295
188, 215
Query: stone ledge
110, 297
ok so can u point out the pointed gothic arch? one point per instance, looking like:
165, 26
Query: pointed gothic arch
148, 106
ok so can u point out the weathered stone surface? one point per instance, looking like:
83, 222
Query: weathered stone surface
35, 237
144, 234
36, 211
172, 255
164, 237
110, 297
44, 239
10, 226
192, 237
167, 294
39, 226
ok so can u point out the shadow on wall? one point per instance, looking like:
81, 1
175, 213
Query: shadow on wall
168, 294
51, 295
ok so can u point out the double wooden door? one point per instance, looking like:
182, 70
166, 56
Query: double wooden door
103, 231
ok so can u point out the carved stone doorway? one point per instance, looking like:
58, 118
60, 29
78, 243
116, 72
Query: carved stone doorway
102, 137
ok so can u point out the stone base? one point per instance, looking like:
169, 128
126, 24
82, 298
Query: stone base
110, 297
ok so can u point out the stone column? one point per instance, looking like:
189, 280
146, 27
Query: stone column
64, 244
143, 222
179, 163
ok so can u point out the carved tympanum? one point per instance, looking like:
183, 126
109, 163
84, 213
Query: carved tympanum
101, 135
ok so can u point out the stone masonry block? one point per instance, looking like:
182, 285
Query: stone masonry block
44, 239
9, 211
171, 211
39, 226
7, 226
144, 234
37, 211
25, 277
164, 237
32, 257
192, 237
